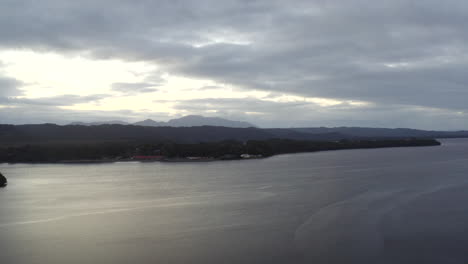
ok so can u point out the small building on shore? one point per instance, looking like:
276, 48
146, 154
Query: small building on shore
250, 156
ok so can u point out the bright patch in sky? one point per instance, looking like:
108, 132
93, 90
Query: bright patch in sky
222, 37
52, 74
271, 63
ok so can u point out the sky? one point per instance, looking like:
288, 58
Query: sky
386, 63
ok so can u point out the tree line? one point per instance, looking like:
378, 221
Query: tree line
57, 152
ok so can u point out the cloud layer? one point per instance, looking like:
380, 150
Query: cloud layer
405, 58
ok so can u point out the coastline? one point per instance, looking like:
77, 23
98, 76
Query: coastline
211, 159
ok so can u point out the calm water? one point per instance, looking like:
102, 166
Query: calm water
399, 205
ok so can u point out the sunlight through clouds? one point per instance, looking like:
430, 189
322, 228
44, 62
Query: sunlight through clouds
51, 74
309, 59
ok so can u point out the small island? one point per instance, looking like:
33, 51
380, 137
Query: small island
170, 151
3, 181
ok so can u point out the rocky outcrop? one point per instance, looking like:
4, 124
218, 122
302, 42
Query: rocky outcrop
3, 181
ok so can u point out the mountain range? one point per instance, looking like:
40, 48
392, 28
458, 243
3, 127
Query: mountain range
300, 133
14, 135
186, 121
191, 129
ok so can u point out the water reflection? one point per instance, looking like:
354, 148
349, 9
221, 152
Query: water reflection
358, 206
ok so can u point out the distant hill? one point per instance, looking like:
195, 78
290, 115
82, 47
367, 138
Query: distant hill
50, 133
298, 135
149, 122
186, 121
195, 120
113, 122
366, 132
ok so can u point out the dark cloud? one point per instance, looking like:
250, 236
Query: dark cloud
389, 52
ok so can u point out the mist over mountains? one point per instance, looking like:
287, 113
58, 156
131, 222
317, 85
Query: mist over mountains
302, 133
186, 121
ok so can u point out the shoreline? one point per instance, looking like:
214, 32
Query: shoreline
203, 159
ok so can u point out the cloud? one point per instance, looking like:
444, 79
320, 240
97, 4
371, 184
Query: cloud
9, 87
263, 113
134, 88
208, 87
38, 114
61, 100
296, 113
391, 53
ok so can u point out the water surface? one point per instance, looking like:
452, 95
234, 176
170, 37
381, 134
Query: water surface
396, 205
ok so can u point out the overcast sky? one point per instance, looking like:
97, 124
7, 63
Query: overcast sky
273, 63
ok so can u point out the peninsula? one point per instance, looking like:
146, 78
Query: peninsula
177, 151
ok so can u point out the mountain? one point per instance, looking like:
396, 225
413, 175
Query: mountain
50, 133
195, 120
185, 121
112, 122
186, 133
297, 135
367, 132
149, 122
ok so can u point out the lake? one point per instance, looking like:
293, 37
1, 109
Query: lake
394, 205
